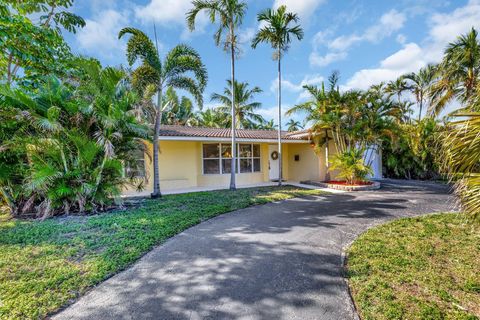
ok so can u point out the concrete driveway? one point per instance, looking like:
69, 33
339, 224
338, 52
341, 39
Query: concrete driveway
277, 261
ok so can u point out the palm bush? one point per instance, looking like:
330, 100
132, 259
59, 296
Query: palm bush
356, 120
461, 160
73, 144
411, 152
351, 166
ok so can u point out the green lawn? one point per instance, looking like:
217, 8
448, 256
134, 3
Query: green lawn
44, 265
417, 268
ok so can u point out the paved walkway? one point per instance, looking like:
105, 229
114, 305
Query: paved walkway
277, 261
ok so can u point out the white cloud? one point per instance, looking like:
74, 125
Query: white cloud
304, 8
311, 79
338, 47
322, 61
444, 28
170, 13
100, 35
272, 113
389, 23
406, 60
165, 12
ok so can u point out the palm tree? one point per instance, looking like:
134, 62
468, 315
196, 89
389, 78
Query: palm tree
210, 118
278, 32
229, 14
459, 72
174, 71
323, 112
244, 107
396, 87
180, 110
266, 125
294, 125
419, 85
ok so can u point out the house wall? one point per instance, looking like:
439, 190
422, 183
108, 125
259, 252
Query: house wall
181, 167
214, 180
308, 165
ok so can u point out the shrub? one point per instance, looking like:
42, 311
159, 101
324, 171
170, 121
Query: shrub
351, 166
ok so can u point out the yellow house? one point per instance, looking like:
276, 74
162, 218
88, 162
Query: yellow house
195, 158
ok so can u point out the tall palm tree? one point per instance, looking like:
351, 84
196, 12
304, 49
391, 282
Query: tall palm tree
293, 125
229, 14
279, 33
244, 106
419, 85
174, 71
459, 72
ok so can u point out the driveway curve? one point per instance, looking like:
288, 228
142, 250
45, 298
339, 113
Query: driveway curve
276, 261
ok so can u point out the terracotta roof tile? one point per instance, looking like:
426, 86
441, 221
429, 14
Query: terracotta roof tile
184, 131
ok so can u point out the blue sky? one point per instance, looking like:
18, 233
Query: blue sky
366, 41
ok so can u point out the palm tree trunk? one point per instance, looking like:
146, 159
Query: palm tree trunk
279, 119
156, 172
327, 164
421, 107
234, 147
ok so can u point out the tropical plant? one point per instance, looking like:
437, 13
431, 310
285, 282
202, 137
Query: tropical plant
332, 110
294, 125
229, 14
266, 125
411, 152
244, 106
355, 120
174, 71
459, 73
461, 159
279, 29
180, 110
396, 87
419, 84
351, 166
43, 49
211, 118
74, 143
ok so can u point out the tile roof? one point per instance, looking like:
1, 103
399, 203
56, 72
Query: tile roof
201, 132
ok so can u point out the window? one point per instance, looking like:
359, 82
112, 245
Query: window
227, 159
211, 158
137, 168
218, 158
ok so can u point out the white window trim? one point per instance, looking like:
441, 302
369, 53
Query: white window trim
238, 159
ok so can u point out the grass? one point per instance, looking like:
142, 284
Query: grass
417, 268
45, 265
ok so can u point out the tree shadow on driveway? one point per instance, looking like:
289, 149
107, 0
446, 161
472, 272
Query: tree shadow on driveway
276, 261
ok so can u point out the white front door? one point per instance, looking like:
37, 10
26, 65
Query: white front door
273, 171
